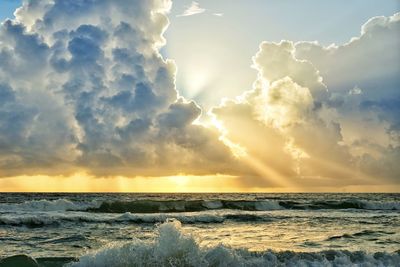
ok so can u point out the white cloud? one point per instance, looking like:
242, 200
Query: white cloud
193, 9
327, 112
275, 61
368, 67
83, 86
370, 61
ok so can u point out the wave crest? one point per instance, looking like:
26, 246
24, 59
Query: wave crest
168, 206
48, 205
175, 248
153, 206
57, 219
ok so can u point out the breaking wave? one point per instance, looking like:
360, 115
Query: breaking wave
56, 219
168, 206
150, 206
48, 205
186, 251
378, 205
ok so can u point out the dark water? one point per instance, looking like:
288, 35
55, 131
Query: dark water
202, 229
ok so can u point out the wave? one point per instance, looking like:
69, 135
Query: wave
57, 219
168, 206
378, 205
151, 206
364, 233
186, 251
25, 260
48, 205
342, 204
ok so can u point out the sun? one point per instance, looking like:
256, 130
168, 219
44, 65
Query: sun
180, 181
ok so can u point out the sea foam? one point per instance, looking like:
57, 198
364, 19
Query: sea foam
48, 205
379, 205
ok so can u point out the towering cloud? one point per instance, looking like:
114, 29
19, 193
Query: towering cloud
287, 134
363, 77
83, 86
324, 115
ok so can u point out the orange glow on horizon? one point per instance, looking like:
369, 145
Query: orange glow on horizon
81, 182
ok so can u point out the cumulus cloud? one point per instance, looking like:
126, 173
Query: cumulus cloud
368, 69
276, 61
370, 61
84, 87
323, 115
193, 9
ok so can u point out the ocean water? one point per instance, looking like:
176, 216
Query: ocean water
202, 229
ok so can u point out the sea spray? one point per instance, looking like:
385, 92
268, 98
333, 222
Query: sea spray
174, 247
314, 226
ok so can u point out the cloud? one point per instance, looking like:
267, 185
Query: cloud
276, 61
323, 115
83, 87
370, 61
193, 9
279, 127
368, 68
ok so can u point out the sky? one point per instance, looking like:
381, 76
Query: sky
153, 96
242, 26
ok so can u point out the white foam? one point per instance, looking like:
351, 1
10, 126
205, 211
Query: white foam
48, 205
378, 205
162, 217
48, 218
212, 204
26, 220
268, 205
175, 248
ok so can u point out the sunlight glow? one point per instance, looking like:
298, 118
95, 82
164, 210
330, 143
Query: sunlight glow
195, 81
82, 182
269, 173
254, 163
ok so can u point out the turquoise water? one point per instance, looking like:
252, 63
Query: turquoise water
203, 229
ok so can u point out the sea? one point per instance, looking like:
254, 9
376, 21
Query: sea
263, 229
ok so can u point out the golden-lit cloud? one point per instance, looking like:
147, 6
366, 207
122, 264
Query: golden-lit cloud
291, 116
